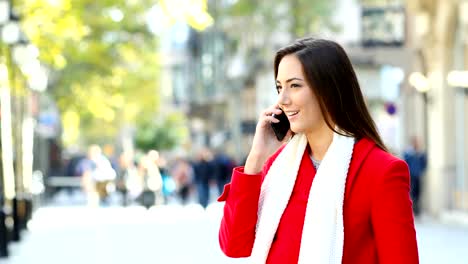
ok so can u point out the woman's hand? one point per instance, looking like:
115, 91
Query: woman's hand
264, 142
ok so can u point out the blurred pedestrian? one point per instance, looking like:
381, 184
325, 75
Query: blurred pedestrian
182, 174
223, 166
417, 162
203, 170
127, 182
152, 180
98, 176
108, 151
168, 185
329, 192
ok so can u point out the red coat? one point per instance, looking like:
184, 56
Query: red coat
377, 211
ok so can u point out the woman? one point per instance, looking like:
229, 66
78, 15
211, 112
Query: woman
331, 193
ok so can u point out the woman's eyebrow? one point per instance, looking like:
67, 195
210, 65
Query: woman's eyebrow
291, 79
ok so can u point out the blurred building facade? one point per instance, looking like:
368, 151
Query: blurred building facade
388, 43
192, 81
223, 90
439, 43
427, 38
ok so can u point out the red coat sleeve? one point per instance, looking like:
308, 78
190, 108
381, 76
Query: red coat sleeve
237, 230
392, 216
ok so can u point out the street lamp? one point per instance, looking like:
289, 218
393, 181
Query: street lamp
6, 137
12, 42
4, 12
11, 31
7, 157
419, 82
26, 56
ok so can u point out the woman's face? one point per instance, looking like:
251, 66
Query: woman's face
296, 98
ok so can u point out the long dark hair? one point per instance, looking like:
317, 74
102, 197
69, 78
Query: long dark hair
330, 74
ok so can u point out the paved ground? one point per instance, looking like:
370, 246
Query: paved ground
169, 234
440, 243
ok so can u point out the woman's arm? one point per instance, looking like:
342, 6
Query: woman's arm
392, 216
237, 231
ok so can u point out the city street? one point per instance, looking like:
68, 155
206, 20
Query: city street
169, 234
121, 121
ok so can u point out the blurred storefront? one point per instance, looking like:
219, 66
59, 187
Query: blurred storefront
47, 158
375, 38
439, 47
193, 82
457, 78
388, 43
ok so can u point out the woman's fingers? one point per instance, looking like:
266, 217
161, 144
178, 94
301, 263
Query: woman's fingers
267, 115
273, 110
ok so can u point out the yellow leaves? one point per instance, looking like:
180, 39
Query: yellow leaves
53, 20
128, 54
70, 27
103, 59
116, 80
117, 100
193, 12
97, 102
130, 112
56, 4
100, 110
51, 25
71, 127
59, 61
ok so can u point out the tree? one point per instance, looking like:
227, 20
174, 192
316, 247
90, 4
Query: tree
103, 59
298, 17
164, 134
255, 28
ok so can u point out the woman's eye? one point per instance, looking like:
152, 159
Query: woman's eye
278, 88
295, 85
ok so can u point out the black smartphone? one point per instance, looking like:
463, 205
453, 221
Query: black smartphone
282, 127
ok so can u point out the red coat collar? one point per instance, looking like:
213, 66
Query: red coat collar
361, 150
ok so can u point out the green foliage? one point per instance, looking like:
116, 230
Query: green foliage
303, 16
311, 16
102, 57
243, 8
163, 134
381, 2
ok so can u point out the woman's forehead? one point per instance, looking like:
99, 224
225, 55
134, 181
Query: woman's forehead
289, 67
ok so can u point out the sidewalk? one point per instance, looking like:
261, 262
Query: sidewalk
171, 234
441, 242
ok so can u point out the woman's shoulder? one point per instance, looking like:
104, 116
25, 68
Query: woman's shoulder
381, 162
384, 158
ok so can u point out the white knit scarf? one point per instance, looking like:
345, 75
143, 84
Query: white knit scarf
323, 232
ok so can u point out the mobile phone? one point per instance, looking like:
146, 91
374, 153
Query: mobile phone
282, 127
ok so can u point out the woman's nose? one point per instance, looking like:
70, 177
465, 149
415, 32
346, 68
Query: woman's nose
283, 98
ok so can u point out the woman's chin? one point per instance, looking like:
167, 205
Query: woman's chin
296, 130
